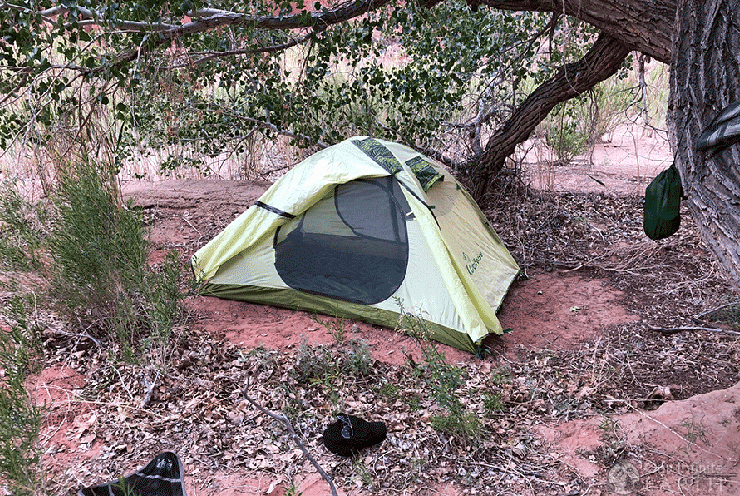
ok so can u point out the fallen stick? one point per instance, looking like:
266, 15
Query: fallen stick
676, 330
150, 390
704, 314
294, 436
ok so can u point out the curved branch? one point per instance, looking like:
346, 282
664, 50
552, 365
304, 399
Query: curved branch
642, 26
601, 61
210, 19
645, 27
207, 19
204, 20
206, 56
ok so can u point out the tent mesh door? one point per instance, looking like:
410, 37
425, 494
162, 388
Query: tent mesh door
352, 246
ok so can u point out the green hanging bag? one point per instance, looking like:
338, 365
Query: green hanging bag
663, 204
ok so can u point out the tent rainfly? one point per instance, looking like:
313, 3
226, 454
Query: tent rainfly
366, 229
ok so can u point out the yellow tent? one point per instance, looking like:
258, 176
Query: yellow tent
366, 229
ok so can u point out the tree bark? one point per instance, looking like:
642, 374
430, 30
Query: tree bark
705, 77
601, 61
643, 26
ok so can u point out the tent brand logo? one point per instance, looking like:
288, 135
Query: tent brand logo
472, 264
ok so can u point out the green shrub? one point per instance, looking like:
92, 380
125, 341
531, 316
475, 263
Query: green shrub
11, 255
389, 391
443, 380
20, 419
609, 102
100, 272
20, 234
572, 128
493, 403
357, 357
335, 327
567, 137
312, 362
464, 425
321, 363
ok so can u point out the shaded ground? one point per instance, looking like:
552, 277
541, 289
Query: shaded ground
569, 401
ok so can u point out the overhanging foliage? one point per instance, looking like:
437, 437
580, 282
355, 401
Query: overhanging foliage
210, 80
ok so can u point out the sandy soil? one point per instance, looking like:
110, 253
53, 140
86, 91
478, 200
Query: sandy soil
690, 446
625, 163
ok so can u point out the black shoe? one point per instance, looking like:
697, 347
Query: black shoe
350, 434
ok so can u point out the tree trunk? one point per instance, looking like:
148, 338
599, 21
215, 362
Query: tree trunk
600, 62
705, 77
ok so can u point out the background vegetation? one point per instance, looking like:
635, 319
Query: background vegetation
438, 79
82, 255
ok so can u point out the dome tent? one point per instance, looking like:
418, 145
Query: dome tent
366, 229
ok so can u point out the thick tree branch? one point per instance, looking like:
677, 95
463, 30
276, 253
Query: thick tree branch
204, 20
207, 19
600, 62
641, 26
645, 27
212, 19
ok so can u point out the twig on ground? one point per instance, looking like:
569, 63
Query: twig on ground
149, 390
125, 387
192, 226
293, 435
676, 330
79, 335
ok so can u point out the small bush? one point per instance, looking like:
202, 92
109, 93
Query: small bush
357, 357
20, 419
493, 403
11, 255
567, 134
100, 271
501, 376
464, 425
443, 380
20, 233
389, 391
573, 128
319, 363
312, 362
335, 327
414, 402
610, 102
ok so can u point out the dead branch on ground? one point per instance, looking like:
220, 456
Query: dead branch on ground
294, 436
